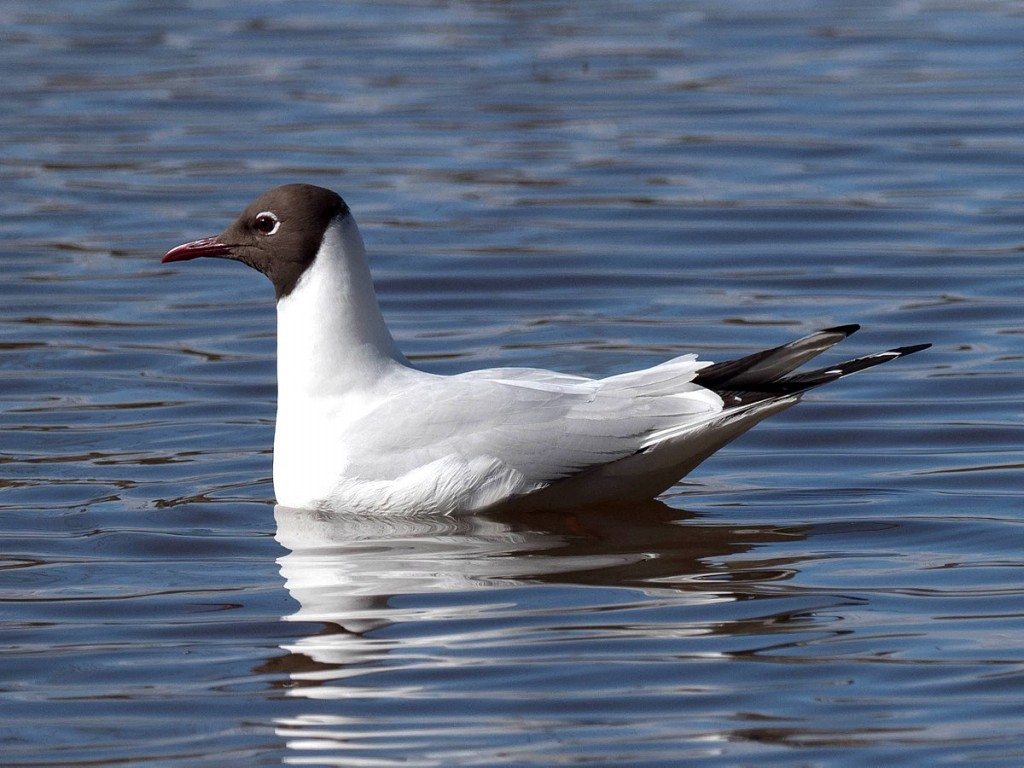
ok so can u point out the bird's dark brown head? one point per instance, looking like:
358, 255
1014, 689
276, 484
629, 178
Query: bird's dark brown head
279, 234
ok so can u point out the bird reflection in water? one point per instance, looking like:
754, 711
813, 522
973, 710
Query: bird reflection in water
399, 605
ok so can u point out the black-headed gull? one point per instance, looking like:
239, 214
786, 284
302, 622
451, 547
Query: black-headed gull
359, 428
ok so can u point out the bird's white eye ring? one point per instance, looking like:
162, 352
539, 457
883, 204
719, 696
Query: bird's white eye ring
266, 222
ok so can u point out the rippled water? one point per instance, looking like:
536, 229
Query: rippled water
586, 186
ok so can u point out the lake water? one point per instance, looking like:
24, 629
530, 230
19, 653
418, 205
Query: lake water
591, 187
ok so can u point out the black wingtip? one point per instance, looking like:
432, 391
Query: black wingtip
845, 368
903, 351
845, 330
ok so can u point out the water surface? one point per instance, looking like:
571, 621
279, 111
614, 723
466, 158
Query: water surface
577, 186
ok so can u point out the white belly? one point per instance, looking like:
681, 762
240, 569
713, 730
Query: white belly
449, 485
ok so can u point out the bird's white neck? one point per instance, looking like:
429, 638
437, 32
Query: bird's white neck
331, 336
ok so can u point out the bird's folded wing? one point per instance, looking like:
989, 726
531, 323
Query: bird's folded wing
545, 425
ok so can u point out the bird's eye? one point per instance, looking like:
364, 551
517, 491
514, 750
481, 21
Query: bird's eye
267, 223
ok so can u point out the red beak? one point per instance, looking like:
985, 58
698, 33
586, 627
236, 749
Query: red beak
208, 246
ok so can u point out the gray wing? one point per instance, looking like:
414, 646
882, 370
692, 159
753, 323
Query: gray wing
551, 426
546, 425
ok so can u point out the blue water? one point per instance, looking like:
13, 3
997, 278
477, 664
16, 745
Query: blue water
591, 187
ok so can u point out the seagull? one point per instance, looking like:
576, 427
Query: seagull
360, 428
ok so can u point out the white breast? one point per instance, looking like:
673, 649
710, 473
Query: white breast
335, 357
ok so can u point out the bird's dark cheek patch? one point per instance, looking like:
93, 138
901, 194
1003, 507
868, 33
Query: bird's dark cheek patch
285, 277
